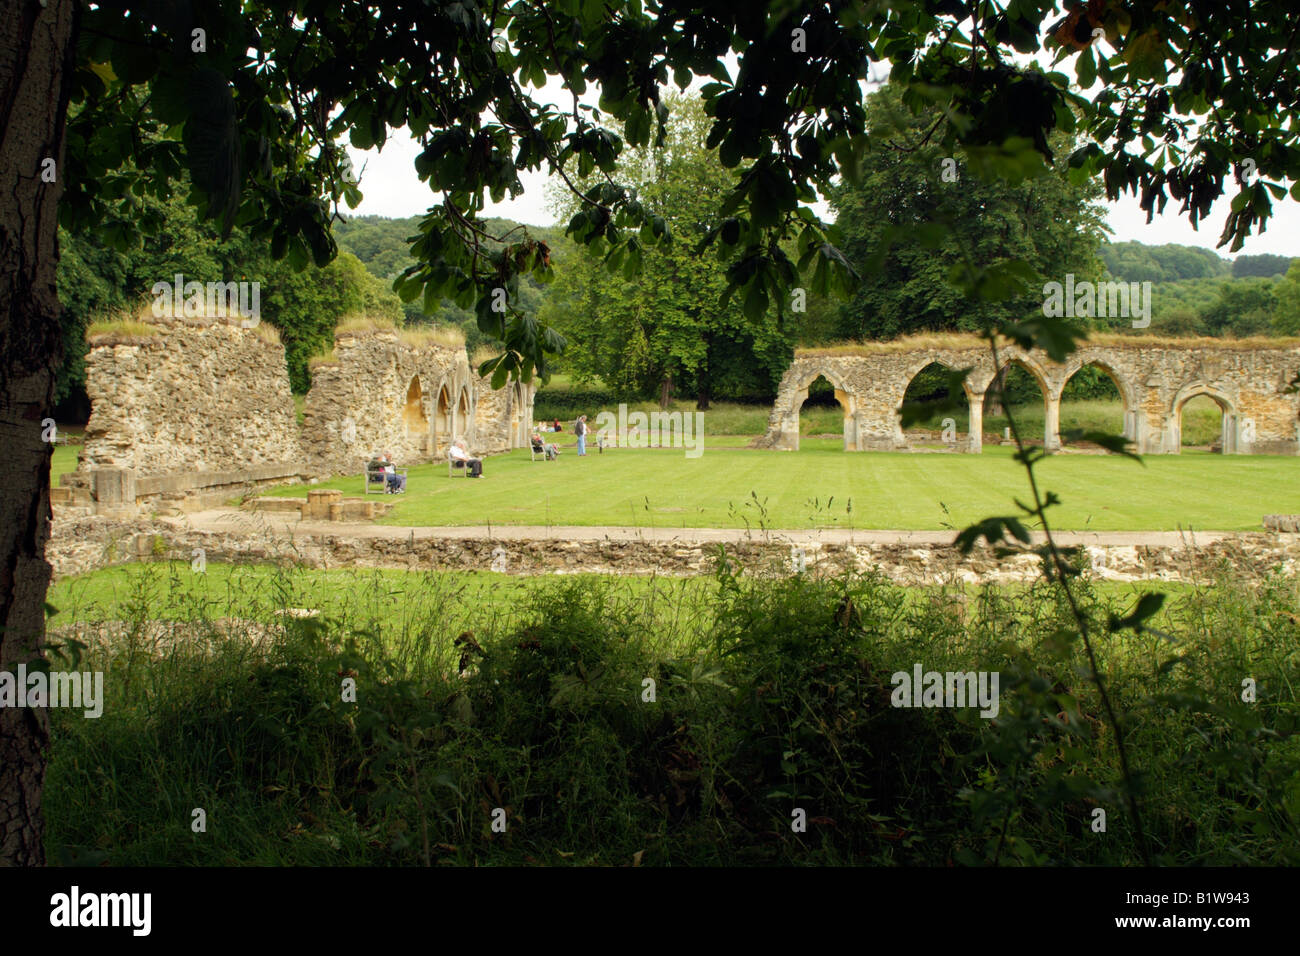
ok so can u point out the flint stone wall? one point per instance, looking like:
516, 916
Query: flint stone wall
1155, 379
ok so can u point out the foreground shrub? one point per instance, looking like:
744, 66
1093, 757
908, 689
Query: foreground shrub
597, 720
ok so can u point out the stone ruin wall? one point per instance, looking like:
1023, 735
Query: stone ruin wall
1155, 379
206, 397
503, 418
201, 411
383, 395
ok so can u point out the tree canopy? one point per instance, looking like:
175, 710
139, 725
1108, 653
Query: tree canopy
917, 212
664, 321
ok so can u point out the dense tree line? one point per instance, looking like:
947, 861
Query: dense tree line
1139, 262
1197, 292
98, 281
918, 211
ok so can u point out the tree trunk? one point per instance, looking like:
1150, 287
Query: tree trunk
665, 391
993, 394
35, 64
702, 396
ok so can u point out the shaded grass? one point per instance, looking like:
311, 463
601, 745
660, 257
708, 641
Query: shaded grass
772, 692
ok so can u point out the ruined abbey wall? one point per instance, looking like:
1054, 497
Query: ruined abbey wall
200, 395
383, 394
190, 412
1155, 379
503, 418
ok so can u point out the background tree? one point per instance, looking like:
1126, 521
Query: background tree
1263, 265
1241, 309
662, 323
98, 281
1286, 301
1139, 262
920, 211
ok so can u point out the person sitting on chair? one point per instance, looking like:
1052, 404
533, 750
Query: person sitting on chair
396, 483
544, 447
458, 453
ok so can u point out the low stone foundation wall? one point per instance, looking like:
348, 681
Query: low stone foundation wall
85, 544
326, 504
121, 493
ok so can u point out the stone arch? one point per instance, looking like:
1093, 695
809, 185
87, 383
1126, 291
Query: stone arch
843, 394
442, 415
1051, 400
1231, 437
413, 417
415, 421
972, 442
1134, 423
519, 429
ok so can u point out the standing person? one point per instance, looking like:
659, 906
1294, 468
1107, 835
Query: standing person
580, 429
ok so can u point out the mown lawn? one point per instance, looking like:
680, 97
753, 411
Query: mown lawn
63, 461
822, 486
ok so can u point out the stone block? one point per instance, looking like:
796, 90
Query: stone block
114, 488
1285, 523
319, 502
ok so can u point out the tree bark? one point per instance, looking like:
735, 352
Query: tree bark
665, 391
993, 394
36, 56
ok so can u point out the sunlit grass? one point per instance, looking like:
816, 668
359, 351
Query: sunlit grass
822, 486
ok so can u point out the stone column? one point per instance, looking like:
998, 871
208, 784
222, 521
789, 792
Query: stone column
975, 438
1231, 432
113, 490
1052, 424
1171, 435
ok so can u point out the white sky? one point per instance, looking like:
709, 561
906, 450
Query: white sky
391, 188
